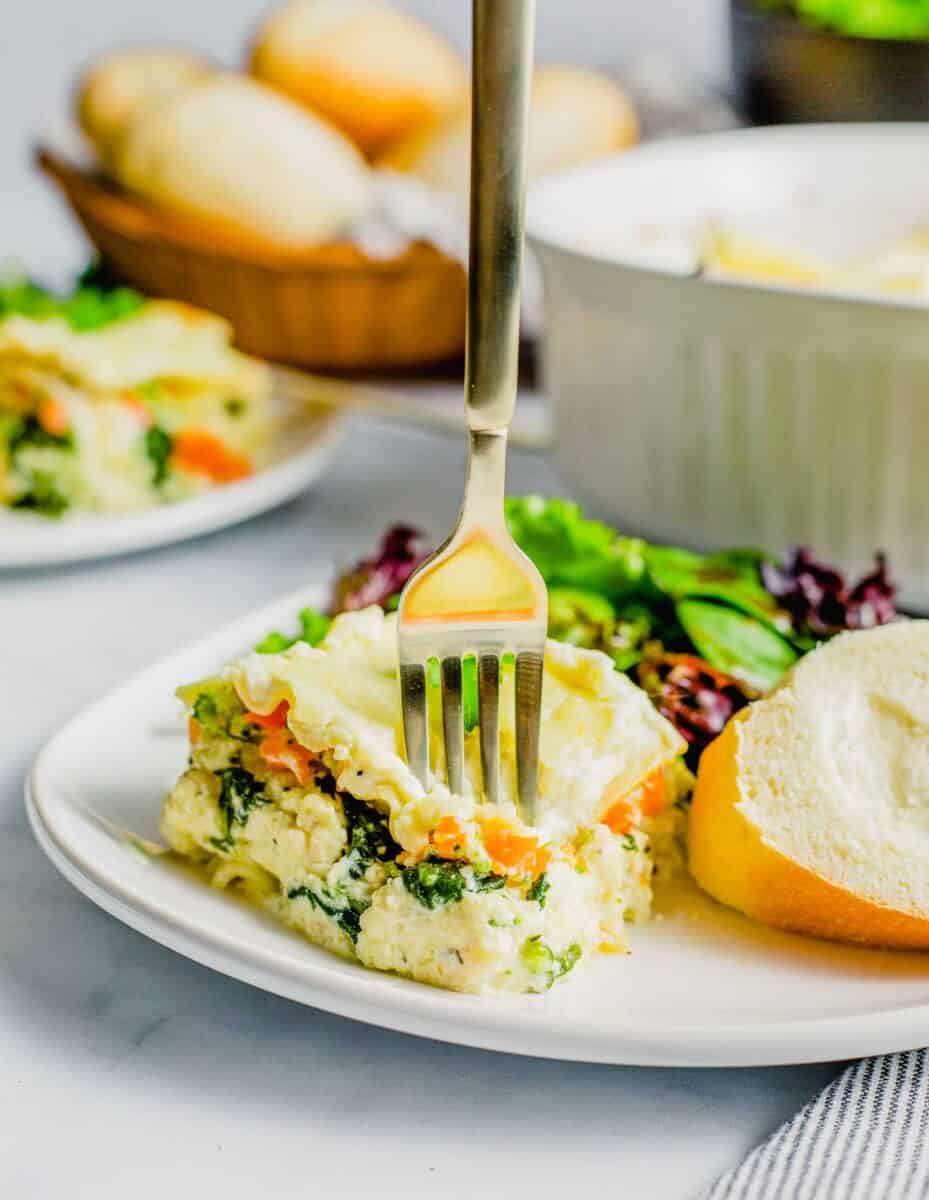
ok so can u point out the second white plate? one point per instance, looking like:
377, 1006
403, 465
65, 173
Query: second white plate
303, 446
702, 987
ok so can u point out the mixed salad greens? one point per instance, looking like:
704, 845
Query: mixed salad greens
93, 303
702, 634
905, 20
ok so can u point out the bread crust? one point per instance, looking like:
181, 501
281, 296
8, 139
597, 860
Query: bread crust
730, 859
376, 73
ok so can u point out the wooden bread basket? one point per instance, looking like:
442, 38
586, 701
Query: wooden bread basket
331, 308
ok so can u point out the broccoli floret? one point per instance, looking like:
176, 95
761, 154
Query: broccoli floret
216, 707
435, 884
314, 626
42, 496
158, 449
540, 959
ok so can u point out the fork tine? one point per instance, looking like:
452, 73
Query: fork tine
488, 701
528, 717
452, 723
415, 719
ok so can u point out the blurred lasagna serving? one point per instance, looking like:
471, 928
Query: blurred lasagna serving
111, 403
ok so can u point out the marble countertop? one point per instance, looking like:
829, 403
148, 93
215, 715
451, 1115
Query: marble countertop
129, 1072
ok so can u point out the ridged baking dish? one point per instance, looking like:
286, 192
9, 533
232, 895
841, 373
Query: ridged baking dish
716, 412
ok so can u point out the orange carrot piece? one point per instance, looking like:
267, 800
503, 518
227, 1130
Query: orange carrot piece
134, 402
510, 850
278, 749
619, 817
194, 730
203, 453
52, 417
272, 720
537, 862
448, 838
653, 793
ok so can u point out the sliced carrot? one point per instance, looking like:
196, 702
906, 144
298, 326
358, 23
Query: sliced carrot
619, 817
653, 793
272, 720
278, 749
53, 417
194, 730
448, 838
205, 454
537, 862
512, 851
134, 402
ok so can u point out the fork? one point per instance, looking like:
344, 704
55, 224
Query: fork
479, 595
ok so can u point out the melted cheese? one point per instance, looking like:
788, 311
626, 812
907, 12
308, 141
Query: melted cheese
600, 733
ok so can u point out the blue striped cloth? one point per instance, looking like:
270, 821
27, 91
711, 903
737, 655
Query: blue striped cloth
866, 1137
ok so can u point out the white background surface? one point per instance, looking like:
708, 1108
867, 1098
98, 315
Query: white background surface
126, 1072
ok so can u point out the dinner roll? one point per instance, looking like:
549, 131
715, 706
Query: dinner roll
231, 150
577, 115
811, 811
374, 71
114, 89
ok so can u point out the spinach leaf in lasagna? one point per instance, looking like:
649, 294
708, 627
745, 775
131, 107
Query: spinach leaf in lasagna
240, 793
344, 910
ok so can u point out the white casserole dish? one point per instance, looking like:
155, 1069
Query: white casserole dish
713, 412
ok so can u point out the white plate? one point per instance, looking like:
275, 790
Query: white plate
303, 446
702, 987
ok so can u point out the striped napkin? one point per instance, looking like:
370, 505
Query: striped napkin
866, 1137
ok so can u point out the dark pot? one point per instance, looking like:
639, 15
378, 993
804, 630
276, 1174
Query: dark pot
784, 71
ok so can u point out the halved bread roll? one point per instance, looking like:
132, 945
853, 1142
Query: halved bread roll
811, 811
577, 115
116, 88
237, 153
374, 71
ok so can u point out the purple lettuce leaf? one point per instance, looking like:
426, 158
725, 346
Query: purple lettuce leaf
380, 579
820, 602
697, 699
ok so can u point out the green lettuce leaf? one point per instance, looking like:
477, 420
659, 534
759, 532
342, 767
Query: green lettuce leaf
314, 626
572, 551
736, 643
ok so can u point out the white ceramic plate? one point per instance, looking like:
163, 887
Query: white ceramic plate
702, 987
303, 446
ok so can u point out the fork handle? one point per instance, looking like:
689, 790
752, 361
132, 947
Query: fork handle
502, 74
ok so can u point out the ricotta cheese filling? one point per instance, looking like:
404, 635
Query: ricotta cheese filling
299, 795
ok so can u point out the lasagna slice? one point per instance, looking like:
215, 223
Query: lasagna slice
298, 793
152, 406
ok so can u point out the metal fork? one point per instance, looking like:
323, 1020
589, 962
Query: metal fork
479, 594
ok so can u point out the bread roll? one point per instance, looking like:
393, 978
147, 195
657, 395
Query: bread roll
233, 151
811, 811
377, 73
117, 87
577, 115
